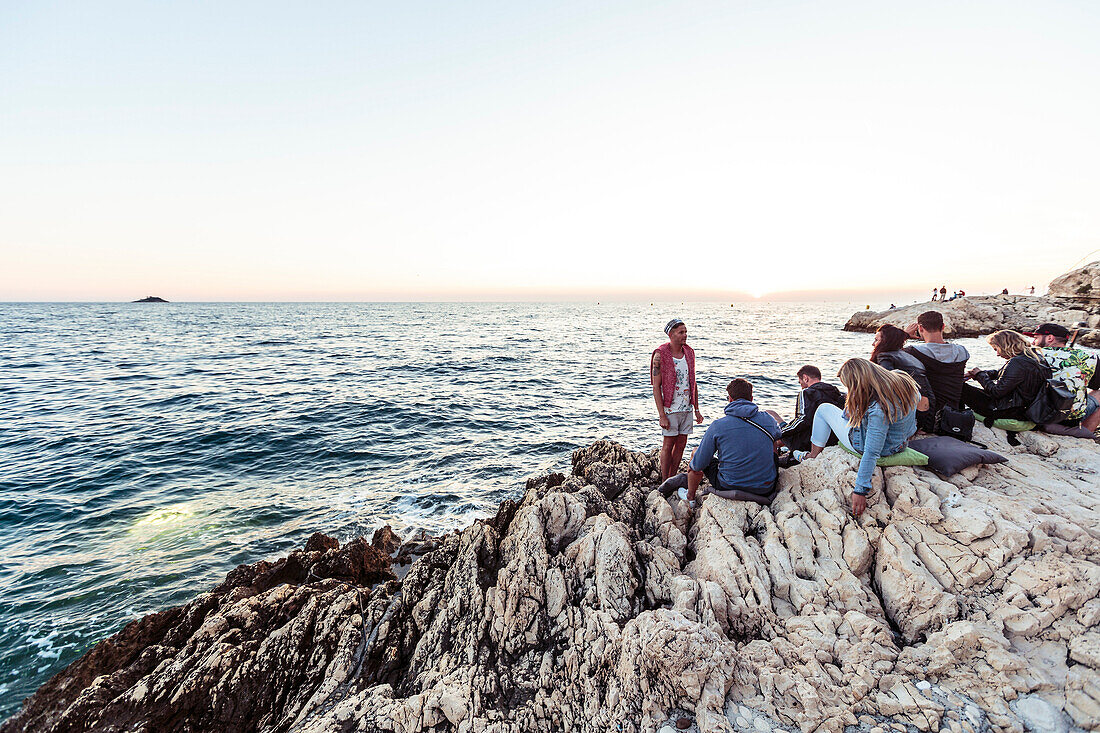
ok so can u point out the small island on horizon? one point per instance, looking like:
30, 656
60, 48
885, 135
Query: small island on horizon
150, 299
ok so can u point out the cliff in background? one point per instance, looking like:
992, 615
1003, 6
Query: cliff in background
1072, 299
593, 604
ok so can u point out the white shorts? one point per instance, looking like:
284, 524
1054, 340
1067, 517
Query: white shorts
679, 423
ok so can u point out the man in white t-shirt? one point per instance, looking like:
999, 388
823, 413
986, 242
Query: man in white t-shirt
672, 376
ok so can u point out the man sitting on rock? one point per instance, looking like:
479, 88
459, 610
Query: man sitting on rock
796, 434
737, 453
1075, 367
944, 365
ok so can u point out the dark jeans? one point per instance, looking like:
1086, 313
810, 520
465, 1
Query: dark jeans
680, 481
978, 400
711, 472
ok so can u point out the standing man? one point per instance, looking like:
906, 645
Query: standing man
1075, 367
944, 365
672, 374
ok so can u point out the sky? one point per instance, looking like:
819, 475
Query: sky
544, 151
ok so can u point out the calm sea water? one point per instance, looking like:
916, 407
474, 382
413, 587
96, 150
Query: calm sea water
145, 450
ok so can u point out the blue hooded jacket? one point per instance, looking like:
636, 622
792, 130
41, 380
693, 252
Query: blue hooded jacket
745, 455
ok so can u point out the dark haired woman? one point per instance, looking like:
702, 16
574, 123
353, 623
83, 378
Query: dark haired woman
888, 352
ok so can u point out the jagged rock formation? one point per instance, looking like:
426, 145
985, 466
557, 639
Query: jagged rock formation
593, 604
1080, 284
1071, 300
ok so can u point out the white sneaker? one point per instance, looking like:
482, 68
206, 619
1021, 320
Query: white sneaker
800, 455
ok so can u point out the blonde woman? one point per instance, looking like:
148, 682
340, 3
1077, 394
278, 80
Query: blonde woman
1008, 392
878, 419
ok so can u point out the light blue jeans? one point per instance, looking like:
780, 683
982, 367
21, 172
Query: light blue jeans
830, 419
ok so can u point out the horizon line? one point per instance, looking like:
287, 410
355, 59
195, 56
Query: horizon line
897, 296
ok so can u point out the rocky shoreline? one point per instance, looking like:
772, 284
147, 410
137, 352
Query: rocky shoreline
592, 604
1073, 300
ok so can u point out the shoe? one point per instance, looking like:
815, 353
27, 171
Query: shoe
671, 484
800, 455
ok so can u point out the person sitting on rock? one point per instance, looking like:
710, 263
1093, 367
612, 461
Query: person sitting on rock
878, 420
737, 453
672, 375
887, 351
1075, 367
1006, 394
796, 433
944, 363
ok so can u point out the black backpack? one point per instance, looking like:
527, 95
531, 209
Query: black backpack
956, 423
1053, 404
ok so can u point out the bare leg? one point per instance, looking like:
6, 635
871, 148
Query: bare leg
667, 446
815, 451
677, 453
1091, 422
694, 479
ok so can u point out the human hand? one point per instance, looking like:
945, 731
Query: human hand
698, 417
970, 374
665, 423
859, 503
912, 330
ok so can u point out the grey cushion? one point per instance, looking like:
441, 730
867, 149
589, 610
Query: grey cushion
735, 495
947, 456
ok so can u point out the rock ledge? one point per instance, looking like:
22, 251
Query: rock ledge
593, 604
1072, 300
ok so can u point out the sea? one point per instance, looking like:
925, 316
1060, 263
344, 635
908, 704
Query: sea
148, 449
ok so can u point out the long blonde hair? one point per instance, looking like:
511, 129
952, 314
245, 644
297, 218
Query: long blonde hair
894, 391
1013, 343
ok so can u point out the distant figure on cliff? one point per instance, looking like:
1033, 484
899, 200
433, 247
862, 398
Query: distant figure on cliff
935, 292
672, 375
878, 419
737, 453
1032, 291
813, 393
943, 292
944, 363
1075, 367
1004, 292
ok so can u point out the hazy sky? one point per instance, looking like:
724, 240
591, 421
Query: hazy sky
409, 150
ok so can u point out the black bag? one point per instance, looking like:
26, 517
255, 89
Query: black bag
1053, 403
956, 423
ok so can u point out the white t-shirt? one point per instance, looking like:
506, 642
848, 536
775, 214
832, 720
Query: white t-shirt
681, 395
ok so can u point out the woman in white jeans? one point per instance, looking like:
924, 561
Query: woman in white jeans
878, 419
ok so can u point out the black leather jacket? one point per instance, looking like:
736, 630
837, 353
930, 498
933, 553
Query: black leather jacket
1015, 385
